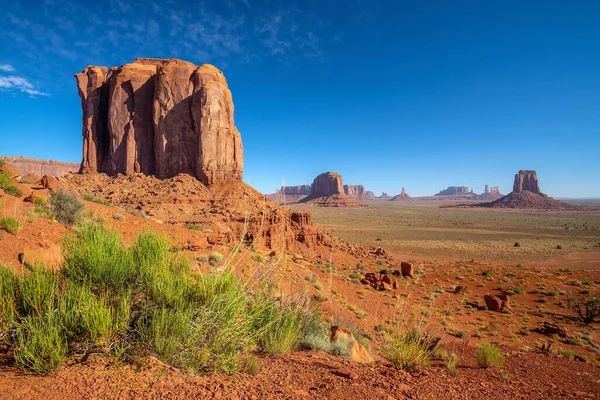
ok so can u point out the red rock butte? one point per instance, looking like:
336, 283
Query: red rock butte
159, 117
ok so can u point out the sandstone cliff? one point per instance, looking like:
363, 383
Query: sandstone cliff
526, 180
159, 117
358, 192
26, 165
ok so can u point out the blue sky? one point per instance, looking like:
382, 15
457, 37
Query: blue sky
391, 94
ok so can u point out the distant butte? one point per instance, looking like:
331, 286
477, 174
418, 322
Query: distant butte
327, 190
526, 194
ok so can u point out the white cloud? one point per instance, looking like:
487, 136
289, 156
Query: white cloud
6, 68
21, 84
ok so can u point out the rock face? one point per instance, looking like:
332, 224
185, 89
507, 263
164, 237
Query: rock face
453, 191
26, 165
403, 196
526, 180
384, 196
159, 117
358, 192
327, 184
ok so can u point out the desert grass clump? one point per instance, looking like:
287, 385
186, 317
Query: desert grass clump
119, 217
409, 349
489, 355
216, 258
67, 209
10, 225
96, 256
9, 188
451, 363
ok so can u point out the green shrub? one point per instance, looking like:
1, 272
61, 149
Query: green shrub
96, 256
451, 363
39, 201
2, 163
193, 227
8, 299
67, 209
409, 350
559, 247
40, 344
517, 244
490, 355
119, 217
9, 188
10, 225
143, 299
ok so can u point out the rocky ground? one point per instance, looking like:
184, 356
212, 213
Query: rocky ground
447, 297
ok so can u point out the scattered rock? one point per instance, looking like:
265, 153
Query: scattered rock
496, 303
551, 329
51, 183
343, 337
407, 269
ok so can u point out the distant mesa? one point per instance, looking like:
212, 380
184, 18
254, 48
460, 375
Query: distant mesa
453, 191
403, 196
327, 190
159, 117
39, 167
358, 192
526, 194
329, 183
384, 196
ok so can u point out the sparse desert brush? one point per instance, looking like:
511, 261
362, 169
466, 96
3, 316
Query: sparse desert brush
119, 217
489, 355
143, 299
451, 363
2, 163
585, 306
517, 244
10, 225
193, 227
7, 186
66, 208
216, 258
409, 348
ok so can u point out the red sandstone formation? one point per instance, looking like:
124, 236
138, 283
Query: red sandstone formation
403, 196
384, 196
453, 191
526, 180
358, 192
526, 194
328, 191
159, 117
27, 166
290, 194
488, 194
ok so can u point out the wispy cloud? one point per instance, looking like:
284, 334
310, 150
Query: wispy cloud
17, 83
6, 68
